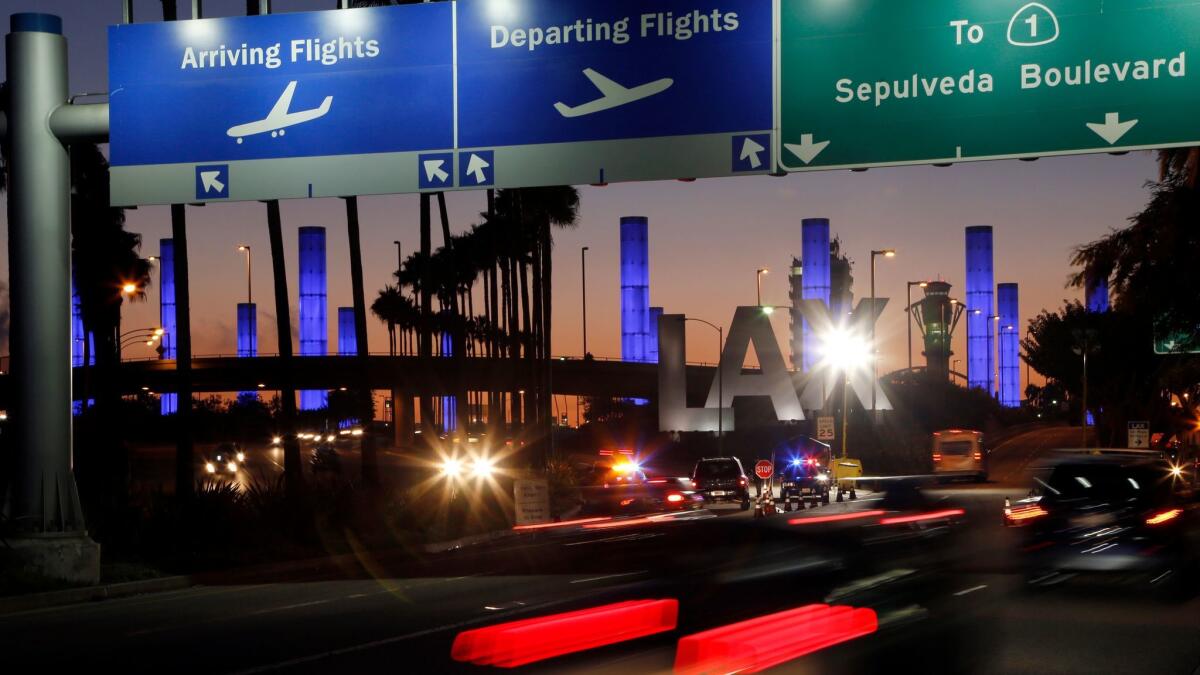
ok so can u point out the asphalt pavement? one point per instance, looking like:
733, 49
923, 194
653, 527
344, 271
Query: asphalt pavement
948, 600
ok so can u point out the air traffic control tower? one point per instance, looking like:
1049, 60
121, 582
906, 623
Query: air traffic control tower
937, 316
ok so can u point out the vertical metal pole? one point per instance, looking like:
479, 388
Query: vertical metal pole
126, 11
370, 469
184, 450
1085, 393
908, 308
720, 390
197, 9
583, 266
43, 498
874, 348
845, 413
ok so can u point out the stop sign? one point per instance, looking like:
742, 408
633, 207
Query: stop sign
764, 469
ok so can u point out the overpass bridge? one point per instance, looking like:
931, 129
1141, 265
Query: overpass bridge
416, 376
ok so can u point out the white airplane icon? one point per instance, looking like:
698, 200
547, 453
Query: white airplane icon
279, 118
614, 94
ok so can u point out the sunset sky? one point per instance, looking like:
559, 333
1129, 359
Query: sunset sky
706, 237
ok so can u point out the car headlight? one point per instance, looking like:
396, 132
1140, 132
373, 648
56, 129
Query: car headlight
232, 466
241, 456
823, 478
210, 467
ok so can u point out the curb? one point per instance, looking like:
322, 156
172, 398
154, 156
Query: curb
73, 596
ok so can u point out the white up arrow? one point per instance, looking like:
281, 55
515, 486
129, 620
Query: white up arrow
208, 179
750, 151
475, 167
434, 172
807, 151
1113, 129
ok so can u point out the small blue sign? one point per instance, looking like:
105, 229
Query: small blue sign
476, 168
436, 170
751, 152
548, 71
303, 84
212, 181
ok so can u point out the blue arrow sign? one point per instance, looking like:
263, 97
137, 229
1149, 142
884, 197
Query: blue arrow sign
212, 181
435, 170
547, 71
309, 84
477, 168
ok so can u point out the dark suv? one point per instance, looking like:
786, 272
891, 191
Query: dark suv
722, 479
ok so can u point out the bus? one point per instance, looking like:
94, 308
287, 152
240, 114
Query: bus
959, 453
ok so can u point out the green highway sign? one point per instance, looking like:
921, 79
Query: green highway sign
887, 82
1177, 343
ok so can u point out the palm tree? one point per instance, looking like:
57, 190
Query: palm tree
387, 308
1179, 161
106, 259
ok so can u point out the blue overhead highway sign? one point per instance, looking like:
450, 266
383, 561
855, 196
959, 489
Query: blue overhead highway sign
439, 96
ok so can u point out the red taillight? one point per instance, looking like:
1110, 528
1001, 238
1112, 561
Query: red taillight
1024, 513
1164, 516
626, 502
563, 523
742, 481
937, 456
932, 515
757, 644
813, 520
674, 497
519, 642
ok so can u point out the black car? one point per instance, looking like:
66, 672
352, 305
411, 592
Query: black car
1096, 514
803, 480
722, 479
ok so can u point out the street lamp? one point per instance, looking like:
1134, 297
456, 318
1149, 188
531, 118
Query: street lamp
148, 335
908, 309
758, 274
249, 295
583, 272
842, 352
720, 379
887, 253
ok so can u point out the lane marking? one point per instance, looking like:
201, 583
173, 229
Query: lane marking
970, 590
607, 576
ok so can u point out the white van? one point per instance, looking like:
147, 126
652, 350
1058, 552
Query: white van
959, 453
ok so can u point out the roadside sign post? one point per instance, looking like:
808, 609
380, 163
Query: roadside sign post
962, 80
825, 428
1139, 434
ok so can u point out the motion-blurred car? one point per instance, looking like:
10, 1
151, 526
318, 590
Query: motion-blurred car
722, 479
804, 480
224, 460
1109, 514
627, 490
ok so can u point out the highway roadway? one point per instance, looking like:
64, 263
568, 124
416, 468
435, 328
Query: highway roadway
947, 601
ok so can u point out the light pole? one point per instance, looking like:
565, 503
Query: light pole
249, 295
583, 273
976, 312
887, 253
399, 259
908, 309
954, 367
149, 335
758, 274
993, 327
720, 379
1084, 344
